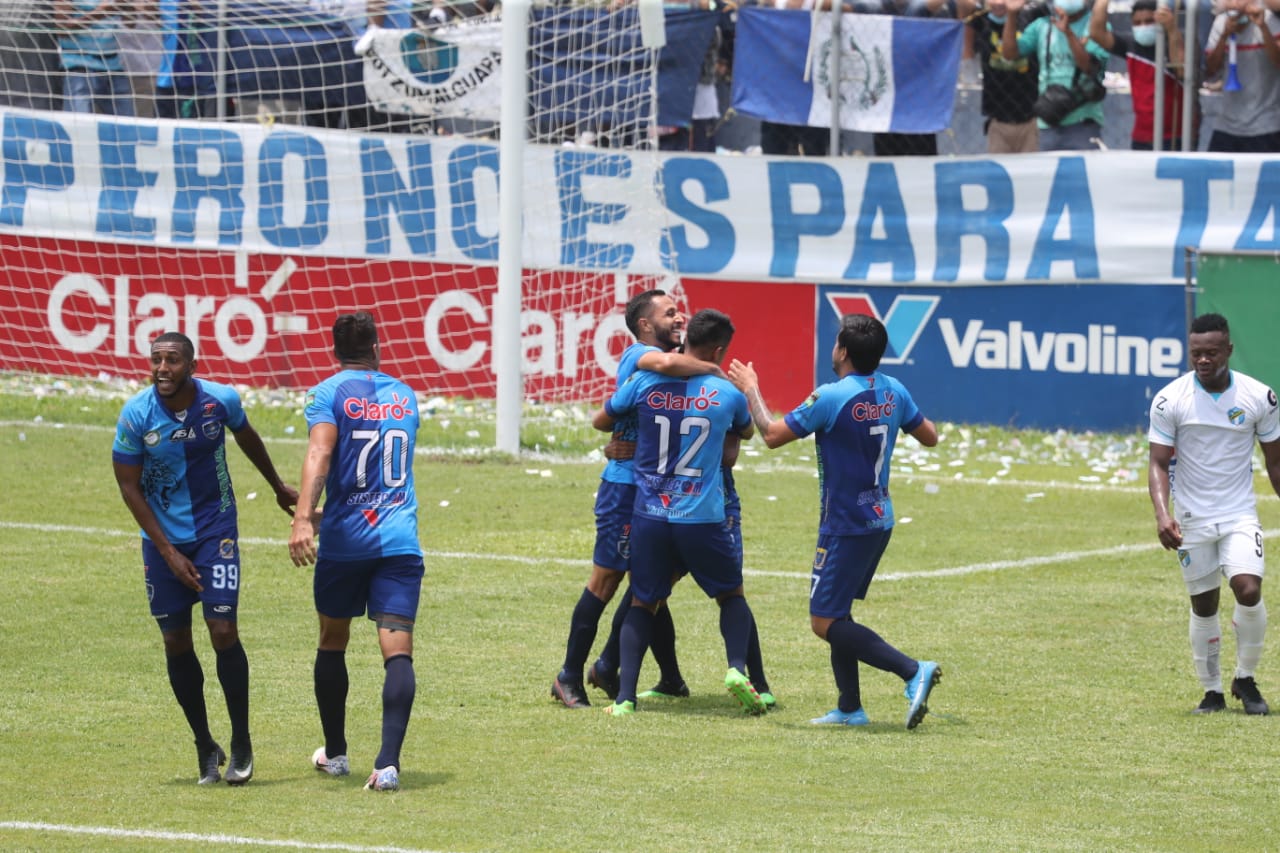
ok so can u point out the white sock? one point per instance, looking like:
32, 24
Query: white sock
1251, 626
1206, 638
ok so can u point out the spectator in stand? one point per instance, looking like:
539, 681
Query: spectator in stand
793, 139
1067, 58
700, 135
906, 144
95, 79
1009, 88
185, 85
1140, 55
1250, 117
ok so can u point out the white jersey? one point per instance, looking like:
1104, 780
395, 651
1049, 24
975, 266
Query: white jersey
1213, 438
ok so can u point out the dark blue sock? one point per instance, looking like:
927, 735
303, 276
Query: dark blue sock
755, 662
608, 659
735, 627
398, 689
233, 675
582, 633
844, 666
873, 650
331, 698
637, 631
186, 677
663, 645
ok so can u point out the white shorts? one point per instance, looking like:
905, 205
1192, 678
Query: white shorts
1215, 551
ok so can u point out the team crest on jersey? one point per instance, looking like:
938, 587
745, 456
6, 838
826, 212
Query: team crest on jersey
151, 439
227, 549
1236, 415
211, 429
1184, 557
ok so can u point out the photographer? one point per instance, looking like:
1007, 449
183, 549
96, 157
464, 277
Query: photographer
1069, 109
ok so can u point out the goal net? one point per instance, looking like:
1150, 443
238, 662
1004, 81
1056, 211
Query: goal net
285, 163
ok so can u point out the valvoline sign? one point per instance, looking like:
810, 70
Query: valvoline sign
1039, 356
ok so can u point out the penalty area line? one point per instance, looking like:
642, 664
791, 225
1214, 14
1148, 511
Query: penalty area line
199, 838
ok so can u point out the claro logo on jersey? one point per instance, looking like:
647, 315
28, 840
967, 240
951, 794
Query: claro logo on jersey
865, 411
360, 409
676, 403
1099, 348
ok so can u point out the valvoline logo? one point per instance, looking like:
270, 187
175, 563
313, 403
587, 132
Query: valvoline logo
677, 403
904, 321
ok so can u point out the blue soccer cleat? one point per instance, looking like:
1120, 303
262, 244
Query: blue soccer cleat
918, 689
836, 717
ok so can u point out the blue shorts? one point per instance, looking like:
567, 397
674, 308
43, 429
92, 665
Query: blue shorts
614, 504
842, 570
345, 589
663, 551
217, 559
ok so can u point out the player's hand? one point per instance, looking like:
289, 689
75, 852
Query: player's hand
1170, 533
183, 569
743, 376
287, 498
302, 542
618, 448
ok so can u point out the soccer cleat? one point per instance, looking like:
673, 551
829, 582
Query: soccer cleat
836, 717
1212, 702
606, 680
663, 690
386, 779
918, 689
210, 760
240, 770
621, 709
1246, 690
740, 686
570, 694
336, 766
769, 701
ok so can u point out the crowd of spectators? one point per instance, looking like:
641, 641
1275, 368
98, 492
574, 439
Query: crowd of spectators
1042, 66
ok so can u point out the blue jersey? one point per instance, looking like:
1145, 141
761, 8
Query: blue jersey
680, 443
370, 508
184, 459
856, 421
619, 470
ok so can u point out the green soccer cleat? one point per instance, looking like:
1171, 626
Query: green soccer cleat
621, 709
663, 690
740, 686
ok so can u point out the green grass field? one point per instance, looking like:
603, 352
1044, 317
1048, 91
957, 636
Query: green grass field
1025, 563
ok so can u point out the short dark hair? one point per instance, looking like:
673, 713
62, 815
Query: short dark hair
354, 336
1210, 323
188, 348
708, 328
1143, 5
864, 339
638, 308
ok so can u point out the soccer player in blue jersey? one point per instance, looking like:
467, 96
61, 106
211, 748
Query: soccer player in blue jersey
678, 523
855, 421
362, 426
657, 324
170, 462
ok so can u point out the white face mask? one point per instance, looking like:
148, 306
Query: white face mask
1144, 34
1071, 7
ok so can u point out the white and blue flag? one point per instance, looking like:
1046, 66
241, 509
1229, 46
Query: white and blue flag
896, 74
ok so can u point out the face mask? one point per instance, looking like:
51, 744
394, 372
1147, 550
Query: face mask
1071, 7
995, 19
1144, 34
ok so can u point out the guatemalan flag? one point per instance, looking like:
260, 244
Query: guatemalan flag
896, 74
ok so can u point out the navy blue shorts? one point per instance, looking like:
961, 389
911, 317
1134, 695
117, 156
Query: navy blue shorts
614, 504
662, 551
217, 560
842, 571
345, 589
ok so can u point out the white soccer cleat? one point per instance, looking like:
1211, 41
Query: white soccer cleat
336, 766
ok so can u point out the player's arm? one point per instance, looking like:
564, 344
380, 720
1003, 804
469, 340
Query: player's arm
774, 431
251, 443
129, 479
926, 433
1167, 529
315, 470
1271, 456
604, 422
677, 364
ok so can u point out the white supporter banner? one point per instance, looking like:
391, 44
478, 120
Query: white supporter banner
450, 72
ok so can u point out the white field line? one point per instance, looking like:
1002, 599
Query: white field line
197, 838
948, 571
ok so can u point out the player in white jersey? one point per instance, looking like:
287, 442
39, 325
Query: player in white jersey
1203, 426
